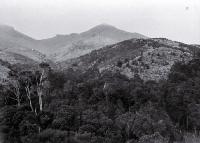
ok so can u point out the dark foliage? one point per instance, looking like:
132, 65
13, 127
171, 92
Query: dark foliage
93, 107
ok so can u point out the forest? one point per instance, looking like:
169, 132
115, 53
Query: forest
45, 105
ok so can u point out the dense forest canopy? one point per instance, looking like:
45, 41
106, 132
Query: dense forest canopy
49, 106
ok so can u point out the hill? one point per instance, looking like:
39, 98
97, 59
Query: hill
150, 58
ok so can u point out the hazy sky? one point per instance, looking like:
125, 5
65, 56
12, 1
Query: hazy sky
174, 19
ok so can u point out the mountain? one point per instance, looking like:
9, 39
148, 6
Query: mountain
152, 58
14, 43
63, 47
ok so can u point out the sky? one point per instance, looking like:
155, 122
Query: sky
174, 19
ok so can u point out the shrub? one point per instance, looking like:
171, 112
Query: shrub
154, 138
119, 64
45, 119
52, 136
59, 123
27, 128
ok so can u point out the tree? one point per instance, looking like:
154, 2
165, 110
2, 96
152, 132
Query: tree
28, 94
15, 89
40, 82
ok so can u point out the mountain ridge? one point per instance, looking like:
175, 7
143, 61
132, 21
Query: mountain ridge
77, 44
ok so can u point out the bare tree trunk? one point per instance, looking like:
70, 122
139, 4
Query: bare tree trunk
18, 95
29, 97
40, 100
39, 90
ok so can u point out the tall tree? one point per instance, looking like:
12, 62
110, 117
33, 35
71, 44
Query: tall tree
40, 83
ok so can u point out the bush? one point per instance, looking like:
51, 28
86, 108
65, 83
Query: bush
45, 119
60, 123
154, 138
27, 128
52, 136
119, 64
87, 128
150, 120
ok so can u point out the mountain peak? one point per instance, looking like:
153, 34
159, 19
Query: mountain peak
111, 32
105, 25
102, 27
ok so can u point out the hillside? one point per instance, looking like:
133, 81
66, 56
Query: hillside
12, 41
10, 61
150, 58
63, 47
3, 73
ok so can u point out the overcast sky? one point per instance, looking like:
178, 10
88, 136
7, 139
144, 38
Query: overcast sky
174, 19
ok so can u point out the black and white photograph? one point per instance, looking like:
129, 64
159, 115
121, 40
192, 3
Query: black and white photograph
99, 71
